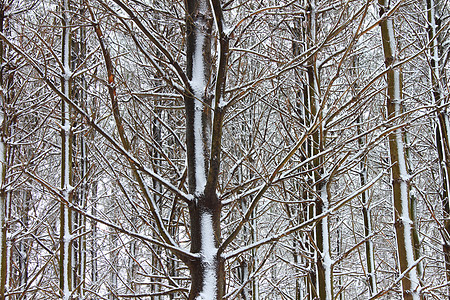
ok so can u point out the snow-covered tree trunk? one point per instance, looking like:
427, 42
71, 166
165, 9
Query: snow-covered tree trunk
94, 235
369, 249
23, 258
113, 259
132, 265
403, 221
204, 118
81, 159
365, 198
157, 186
3, 148
436, 52
324, 273
304, 286
65, 247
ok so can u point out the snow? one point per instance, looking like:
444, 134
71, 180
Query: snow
66, 127
327, 261
67, 73
434, 70
222, 103
227, 30
390, 28
208, 252
66, 237
371, 253
198, 86
66, 240
404, 175
406, 220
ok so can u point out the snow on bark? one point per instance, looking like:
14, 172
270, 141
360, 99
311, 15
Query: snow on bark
404, 175
327, 261
390, 28
66, 155
198, 86
208, 253
4, 271
372, 273
435, 52
399, 173
406, 219
66, 240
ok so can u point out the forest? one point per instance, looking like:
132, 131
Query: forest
224, 149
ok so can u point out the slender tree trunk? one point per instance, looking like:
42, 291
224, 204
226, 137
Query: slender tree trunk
132, 266
113, 253
23, 244
6, 154
156, 255
65, 258
403, 221
3, 155
369, 249
304, 287
324, 272
94, 246
442, 129
80, 157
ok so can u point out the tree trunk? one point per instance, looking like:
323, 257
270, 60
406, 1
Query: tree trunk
324, 273
369, 249
65, 258
403, 221
3, 156
304, 287
81, 160
207, 271
94, 246
442, 130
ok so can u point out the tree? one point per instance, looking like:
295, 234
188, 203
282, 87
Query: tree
236, 149
437, 60
65, 247
403, 220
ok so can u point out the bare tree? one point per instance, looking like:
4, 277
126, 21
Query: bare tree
403, 220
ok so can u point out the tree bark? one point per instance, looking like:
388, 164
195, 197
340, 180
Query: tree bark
442, 130
403, 221
3, 155
203, 139
324, 272
65, 256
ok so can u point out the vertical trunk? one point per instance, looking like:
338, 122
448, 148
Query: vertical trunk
442, 129
93, 252
79, 144
3, 198
303, 286
132, 267
404, 226
65, 259
113, 260
249, 233
369, 250
207, 272
255, 260
323, 262
156, 262
324, 273
23, 244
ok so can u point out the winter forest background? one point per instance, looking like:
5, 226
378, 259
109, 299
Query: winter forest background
224, 149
